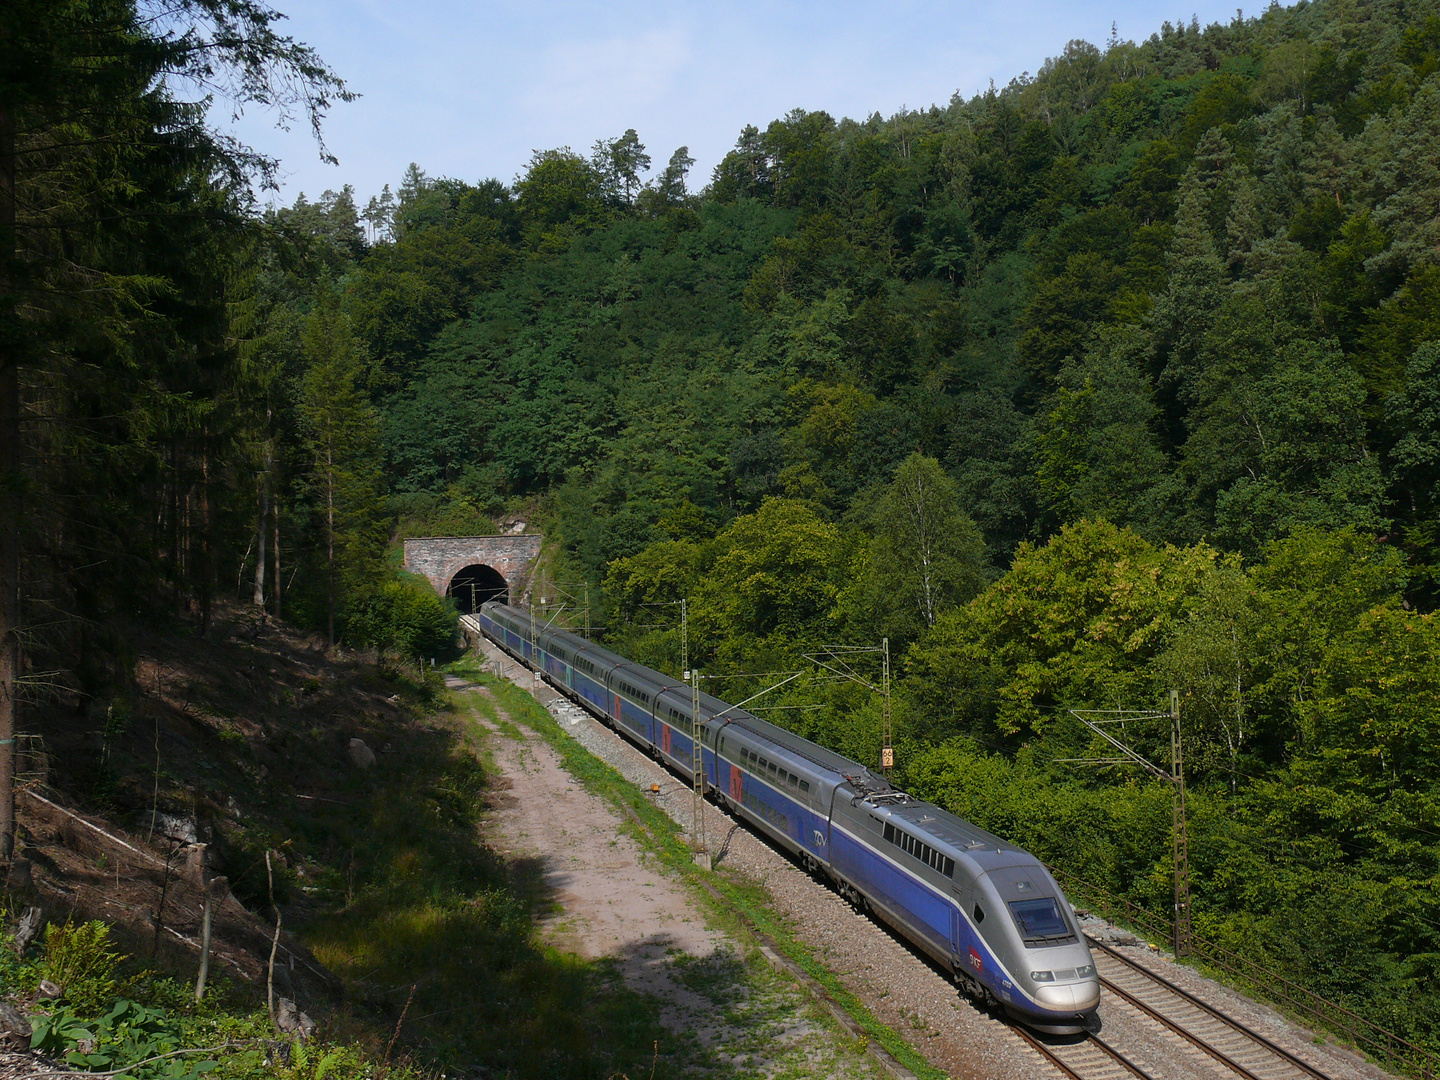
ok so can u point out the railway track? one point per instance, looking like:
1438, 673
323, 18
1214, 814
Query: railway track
1089, 1058
1238, 1048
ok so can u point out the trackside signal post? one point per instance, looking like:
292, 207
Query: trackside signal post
1181, 834
697, 772
887, 745
1097, 720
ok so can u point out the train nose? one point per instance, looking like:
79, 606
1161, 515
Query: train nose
1080, 996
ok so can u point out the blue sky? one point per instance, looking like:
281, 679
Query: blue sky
469, 90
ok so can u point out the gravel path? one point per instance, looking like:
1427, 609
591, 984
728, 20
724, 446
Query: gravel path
602, 898
903, 989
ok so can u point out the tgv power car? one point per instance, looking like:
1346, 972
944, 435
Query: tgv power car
987, 911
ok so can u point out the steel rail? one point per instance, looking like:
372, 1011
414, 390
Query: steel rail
1190, 1037
1065, 1067
1119, 1057
1321, 1013
1044, 1051
1278, 1051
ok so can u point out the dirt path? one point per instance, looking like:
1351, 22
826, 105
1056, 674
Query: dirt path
605, 900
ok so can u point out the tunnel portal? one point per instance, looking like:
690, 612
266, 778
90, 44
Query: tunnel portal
498, 566
475, 585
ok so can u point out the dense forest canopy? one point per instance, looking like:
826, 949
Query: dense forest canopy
1120, 379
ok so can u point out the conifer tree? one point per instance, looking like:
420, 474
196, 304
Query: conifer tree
1195, 291
342, 439
104, 172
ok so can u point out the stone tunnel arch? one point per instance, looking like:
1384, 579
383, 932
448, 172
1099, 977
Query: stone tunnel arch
477, 584
443, 559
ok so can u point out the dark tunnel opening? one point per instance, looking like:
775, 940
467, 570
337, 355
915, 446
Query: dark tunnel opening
476, 584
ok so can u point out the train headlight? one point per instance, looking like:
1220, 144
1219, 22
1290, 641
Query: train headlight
1043, 976
1085, 972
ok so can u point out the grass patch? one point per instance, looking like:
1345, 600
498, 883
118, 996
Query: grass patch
661, 836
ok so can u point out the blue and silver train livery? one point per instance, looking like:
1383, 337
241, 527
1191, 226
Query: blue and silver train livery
987, 911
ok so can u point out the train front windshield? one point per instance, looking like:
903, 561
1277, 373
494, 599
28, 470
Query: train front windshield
1039, 918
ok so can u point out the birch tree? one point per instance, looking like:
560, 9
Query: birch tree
926, 554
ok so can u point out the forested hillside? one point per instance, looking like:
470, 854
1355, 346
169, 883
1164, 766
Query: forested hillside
1123, 378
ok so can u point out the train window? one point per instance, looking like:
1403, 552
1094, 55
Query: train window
772, 767
769, 813
1040, 920
804, 785
979, 914
919, 849
793, 780
761, 762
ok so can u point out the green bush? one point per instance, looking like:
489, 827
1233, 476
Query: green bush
81, 960
403, 617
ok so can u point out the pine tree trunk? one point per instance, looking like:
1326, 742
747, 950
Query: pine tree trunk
11, 507
330, 544
206, 587
262, 521
174, 483
11, 497
275, 511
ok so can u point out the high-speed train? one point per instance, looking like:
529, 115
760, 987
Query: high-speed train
987, 911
